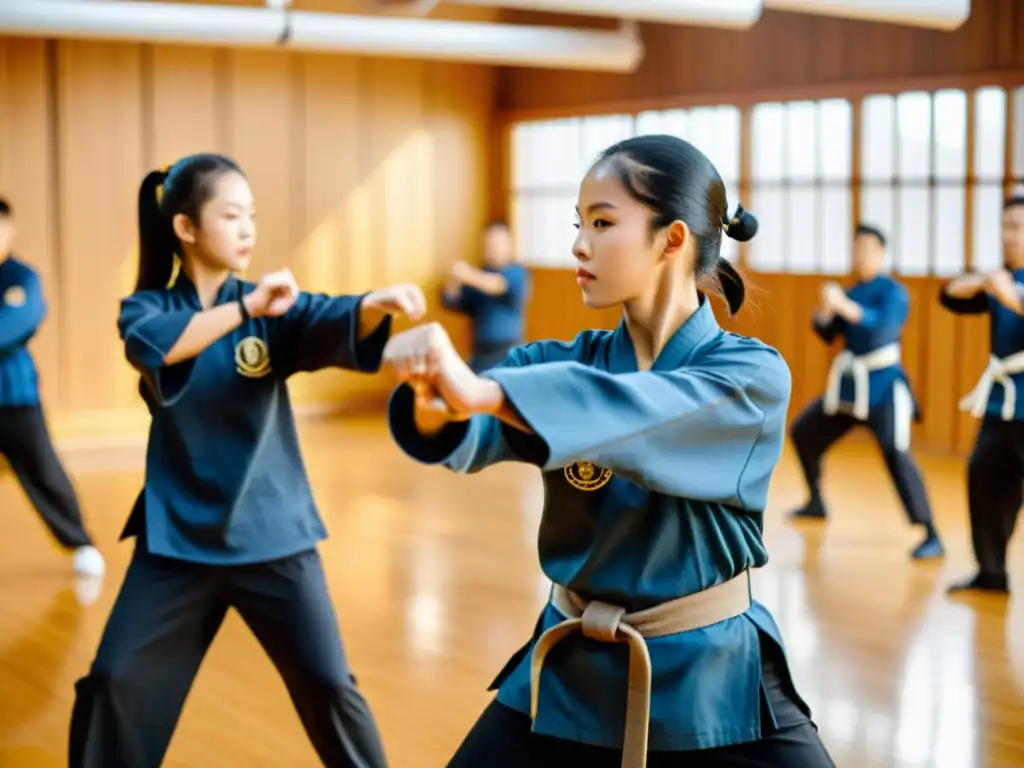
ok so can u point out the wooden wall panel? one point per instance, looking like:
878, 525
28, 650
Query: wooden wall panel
365, 172
782, 52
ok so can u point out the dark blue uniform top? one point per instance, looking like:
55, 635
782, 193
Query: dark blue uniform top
22, 311
674, 504
1006, 337
496, 319
885, 306
225, 481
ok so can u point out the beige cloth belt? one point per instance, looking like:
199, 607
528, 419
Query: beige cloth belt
611, 624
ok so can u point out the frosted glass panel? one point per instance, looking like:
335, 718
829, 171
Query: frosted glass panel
986, 232
836, 232
802, 236
801, 140
878, 115
835, 139
948, 231
876, 208
725, 152
599, 132
912, 247
989, 134
914, 121
766, 145
674, 122
950, 146
766, 254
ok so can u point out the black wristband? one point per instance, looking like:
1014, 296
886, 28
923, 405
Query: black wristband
246, 317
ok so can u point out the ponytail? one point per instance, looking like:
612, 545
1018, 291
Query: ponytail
730, 285
156, 236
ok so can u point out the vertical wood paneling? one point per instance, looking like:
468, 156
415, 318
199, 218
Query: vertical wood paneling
27, 180
364, 172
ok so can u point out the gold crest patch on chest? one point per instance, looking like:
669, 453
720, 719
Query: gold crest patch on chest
587, 476
252, 358
15, 296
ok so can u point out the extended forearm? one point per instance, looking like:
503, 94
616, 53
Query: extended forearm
203, 330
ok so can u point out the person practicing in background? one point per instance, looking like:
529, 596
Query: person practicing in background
24, 437
995, 471
494, 298
657, 442
866, 385
226, 518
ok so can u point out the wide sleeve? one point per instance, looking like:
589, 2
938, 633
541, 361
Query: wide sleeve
473, 445
973, 305
461, 302
149, 331
322, 331
713, 431
827, 332
890, 314
19, 320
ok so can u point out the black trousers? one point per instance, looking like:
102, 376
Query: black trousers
995, 491
814, 432
502, 738
25, 442
161, 625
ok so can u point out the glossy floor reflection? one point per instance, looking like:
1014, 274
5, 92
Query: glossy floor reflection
436, 582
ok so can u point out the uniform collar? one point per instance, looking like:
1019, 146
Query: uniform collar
184, 287
698, 327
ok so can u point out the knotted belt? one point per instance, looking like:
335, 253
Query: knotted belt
611, 624
859, 366
999, 370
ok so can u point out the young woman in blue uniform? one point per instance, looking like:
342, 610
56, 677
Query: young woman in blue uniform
657, 442
226, 518
867, 385
995, 472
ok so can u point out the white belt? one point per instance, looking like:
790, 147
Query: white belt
860, 366
999, 370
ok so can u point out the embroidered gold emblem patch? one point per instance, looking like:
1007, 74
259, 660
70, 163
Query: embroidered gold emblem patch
252, 358
15, 296
586, 476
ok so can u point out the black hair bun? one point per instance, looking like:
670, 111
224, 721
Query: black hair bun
742, 226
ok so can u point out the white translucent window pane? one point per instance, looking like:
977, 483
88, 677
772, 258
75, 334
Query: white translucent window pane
914, 135
948, 231
597, 133
803, 226
912, 246
766, 249
986, 227
766, 145
730, 248
543, 228
836, 230
722, 146
801, 140
876, 209
989, 134
835, 121
674, 122
878, 125
552, 151
950, 135
1018, 134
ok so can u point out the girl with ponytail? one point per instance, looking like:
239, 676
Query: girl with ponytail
656, 442
226, 518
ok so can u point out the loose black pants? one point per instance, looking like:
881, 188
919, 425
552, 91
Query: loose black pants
815, 431
502, 738
164, 619
995, 491
25, 443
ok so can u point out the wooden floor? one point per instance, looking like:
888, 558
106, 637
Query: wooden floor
436, 582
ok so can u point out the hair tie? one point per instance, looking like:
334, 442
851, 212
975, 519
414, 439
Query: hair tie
728, 223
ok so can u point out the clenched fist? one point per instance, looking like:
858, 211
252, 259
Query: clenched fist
274, 295
405, 299
426, 359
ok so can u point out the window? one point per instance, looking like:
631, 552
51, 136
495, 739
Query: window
914, 155
716, 132
989, 159
801, 165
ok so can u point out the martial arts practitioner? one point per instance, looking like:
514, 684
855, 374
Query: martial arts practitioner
867, 385
657, 442
24, 436
226, 518
995, 472
493, 297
